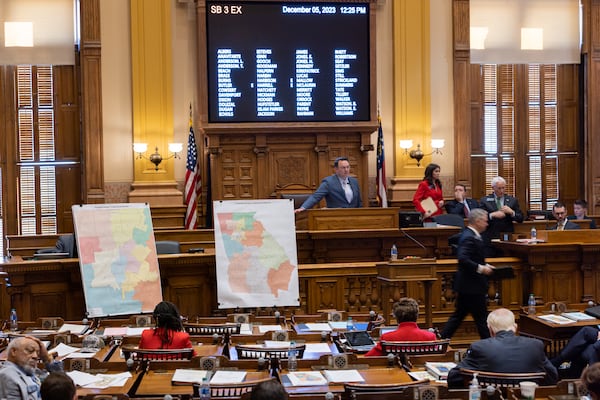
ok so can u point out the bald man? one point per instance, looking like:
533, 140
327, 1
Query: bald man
19, 375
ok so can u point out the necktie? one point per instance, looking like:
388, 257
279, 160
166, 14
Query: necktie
561, 226
348, 191
466, 209
498, 202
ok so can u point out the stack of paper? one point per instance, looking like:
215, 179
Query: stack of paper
99, 381
225, 377
577, 316
73, 328
439, 369
556, 319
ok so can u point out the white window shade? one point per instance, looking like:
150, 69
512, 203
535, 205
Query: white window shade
48, 26
525, 31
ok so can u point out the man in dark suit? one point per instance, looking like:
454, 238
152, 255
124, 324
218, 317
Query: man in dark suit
471, 278
502, 210
461, 205
559, 210
340, 190
580, 212
504, 352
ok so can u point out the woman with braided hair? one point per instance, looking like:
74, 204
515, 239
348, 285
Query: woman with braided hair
168, 333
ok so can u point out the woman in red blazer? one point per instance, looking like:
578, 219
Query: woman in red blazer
169, 332
430, 186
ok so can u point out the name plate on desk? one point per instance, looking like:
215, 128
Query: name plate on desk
407, 269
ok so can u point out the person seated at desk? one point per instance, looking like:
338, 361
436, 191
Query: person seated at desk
269, 390
20, 376
581, 350
169, 332
580, 211
590, 378
504, 352
461, 205
340, 189
559, 210
406, 311
430, 187
58, 386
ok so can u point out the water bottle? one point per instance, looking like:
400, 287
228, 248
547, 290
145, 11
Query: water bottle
474, 390
292, 360
205, 389
531, 305
14, 321
394, 253
533, 233
349, 324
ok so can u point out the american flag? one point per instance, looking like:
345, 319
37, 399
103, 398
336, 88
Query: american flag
381, 184
193, 182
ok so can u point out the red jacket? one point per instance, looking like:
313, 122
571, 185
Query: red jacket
180, 340
407, 331
424, 190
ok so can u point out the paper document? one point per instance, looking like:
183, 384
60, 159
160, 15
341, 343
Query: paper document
228, 377
73, 328
188, 376
317, 348
277, 344
578, 316
318, 327
63, 349
429, 205
269, 328
307, 378
343, 375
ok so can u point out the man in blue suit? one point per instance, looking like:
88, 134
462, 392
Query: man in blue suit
340, 190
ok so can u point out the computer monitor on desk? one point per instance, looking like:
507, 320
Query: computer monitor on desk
410, 219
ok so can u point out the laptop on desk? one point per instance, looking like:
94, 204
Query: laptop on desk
359, 341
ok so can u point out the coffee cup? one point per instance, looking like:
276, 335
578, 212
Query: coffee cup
528, 389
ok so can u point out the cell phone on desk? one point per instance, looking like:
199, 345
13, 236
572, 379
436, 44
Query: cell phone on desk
196, 250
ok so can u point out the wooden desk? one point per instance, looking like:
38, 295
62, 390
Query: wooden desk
158, 383
555, 336
370, 375
110, 391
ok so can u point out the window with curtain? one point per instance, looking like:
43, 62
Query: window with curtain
520, 134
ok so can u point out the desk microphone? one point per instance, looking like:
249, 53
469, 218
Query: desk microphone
129, 363
413, 239
391, 358
215, 338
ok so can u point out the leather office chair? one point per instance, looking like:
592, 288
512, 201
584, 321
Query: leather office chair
211, 329
167, 247
450, 220
245, 351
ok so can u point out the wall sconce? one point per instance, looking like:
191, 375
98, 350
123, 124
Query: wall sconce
417, 154
155, 158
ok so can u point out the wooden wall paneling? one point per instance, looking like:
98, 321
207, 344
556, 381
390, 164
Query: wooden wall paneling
91, 102
462, 88
592, 100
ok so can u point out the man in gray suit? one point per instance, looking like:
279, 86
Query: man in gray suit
340, 190
19, 376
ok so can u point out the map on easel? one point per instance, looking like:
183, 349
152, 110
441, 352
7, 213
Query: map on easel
117, 258
255, 247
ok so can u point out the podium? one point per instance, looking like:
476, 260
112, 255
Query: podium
393, 275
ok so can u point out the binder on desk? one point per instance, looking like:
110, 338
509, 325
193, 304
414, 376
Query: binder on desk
593, 311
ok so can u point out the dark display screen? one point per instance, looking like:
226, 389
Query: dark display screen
288, 62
